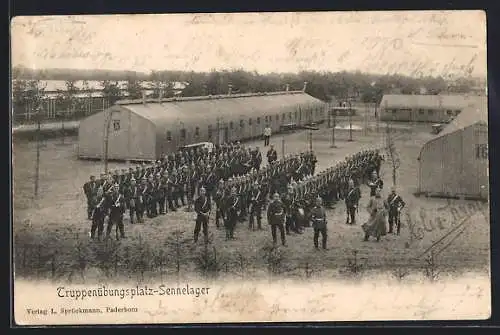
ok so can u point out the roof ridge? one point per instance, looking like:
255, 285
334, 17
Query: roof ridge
207, 97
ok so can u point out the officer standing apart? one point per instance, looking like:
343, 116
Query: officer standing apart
272, 155
117, 209
231, 212
267, 135
318, 218
202, 207
394, 204
276, 218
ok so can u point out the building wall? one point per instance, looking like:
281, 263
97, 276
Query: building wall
455, 164
239, 126
130, 136
417, 114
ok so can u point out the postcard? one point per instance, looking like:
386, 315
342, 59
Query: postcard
250, 167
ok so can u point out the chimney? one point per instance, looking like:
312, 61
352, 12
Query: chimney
287, 87
143, 97
305, 86
230, 89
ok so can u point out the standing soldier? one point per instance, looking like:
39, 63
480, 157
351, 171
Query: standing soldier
202, 207
375, 183
256, 158
231, 213
267, 135
219, 203
149, 197
99, 214
90, 189
255, 208
394, 204
276, 218
117, 209
318, 218
272, 155
288, 200
352, 201
162, 203
131, 194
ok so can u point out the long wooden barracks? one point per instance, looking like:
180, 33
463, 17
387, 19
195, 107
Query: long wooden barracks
149, 128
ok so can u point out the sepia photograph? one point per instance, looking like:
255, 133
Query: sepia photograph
250, 167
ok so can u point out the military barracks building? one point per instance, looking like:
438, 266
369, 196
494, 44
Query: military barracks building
455, 163
146, 129
422, 108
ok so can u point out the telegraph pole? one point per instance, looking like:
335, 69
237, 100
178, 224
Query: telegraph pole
283, 147
350, 121
107, 123
37, 167
310, 140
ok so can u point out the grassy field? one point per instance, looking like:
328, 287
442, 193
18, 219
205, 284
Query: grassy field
52, 231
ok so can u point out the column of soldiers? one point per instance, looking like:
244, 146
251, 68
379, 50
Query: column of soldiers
172, 182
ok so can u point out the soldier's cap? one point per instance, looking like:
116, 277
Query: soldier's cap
92, 176
132, 179
256, 183
158, 174
202, 188
221, 181
116, 185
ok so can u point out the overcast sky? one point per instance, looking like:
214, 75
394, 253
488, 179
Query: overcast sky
412, 43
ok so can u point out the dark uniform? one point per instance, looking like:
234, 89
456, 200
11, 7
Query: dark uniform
352, 201
272, 155
318, 218
276, 218
394, 204
255, 207
232, 210
202, 208
117, 209
90, 189
98, 215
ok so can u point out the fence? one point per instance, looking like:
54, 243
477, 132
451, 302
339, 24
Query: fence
53, 110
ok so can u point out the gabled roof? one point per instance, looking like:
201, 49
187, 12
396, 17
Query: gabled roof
173, 111
474, 112
452, 102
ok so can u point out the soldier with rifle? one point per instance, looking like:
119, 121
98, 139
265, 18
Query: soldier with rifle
255, 207
116, 211
394, 205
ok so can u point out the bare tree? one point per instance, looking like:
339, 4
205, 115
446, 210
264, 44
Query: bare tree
392, 153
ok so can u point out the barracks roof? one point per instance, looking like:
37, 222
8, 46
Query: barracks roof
402, 101
474, 111
187, 109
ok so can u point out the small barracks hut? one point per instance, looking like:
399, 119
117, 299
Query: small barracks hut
421, 108
143, 130
455, 163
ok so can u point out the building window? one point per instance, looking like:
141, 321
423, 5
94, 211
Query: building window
481, 151
394, 111
210, 132
242, 124
116, 125
421, 111
258, 120
430, 112
183, 134
449, 112
231, 125
197, 131
457, 112
250, 122
169, 135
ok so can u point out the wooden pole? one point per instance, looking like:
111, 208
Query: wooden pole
334, 121
283, 147
350, 122
37, 167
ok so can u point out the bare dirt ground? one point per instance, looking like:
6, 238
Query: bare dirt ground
57, 219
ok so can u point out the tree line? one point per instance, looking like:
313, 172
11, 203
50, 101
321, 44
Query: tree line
326, 86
